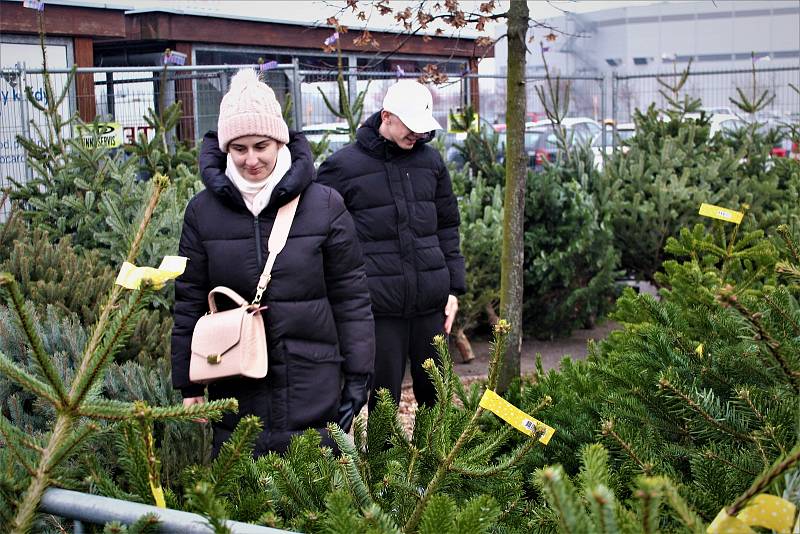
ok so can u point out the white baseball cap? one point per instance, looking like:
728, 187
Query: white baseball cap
413, 104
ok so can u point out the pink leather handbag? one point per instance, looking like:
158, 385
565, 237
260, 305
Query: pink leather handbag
234, 342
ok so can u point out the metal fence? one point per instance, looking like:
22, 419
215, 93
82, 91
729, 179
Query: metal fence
124, 94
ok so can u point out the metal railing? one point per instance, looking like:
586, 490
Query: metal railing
87, 508
124, 94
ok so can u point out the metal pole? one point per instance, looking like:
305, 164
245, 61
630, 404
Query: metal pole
23, 114
297, 97
352, 78
87, 508
603, 82
614, 97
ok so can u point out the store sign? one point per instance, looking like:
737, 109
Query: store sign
16, 113
104, 134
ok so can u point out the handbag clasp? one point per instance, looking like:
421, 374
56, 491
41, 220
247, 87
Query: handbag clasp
214, 358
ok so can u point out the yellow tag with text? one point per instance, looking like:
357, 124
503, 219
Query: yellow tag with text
131, 276
766, 511
723, 214
516, 417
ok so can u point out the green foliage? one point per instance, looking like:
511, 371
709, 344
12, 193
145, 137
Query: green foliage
162, 154
481, 230
480, 149
55, 274
656, 187
693, 387
570, 261
66, 389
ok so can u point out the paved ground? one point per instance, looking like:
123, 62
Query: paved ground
552, 353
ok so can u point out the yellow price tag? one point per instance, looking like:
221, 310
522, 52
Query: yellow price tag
131, 276
158, 495
723, 214
766, 511
516, 417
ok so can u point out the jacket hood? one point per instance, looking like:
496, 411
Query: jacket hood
374, 143
212, 162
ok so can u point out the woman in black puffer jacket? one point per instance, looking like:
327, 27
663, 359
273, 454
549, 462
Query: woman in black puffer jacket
319, 321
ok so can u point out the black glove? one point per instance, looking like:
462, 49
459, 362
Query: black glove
354, 397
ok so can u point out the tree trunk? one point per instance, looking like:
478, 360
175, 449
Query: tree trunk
464, 346
514, 202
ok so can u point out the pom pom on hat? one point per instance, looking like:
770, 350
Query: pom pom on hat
250, 108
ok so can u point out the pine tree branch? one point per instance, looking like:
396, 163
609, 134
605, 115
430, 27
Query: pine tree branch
771, 343
17, 374
664, 383
500, 467
711, 455
348, 462
80, 384
608, 430
691, 520
442, 469
561, 498
29, 503
118, 331
14, 440
786, 235
75, 438
118, 410
649, 497
14, 435
765, 480
44, 361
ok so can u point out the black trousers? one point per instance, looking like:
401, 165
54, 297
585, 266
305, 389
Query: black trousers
399, 340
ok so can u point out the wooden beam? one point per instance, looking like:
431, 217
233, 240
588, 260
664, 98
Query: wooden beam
84, 83
474, 86
185, 93
61, 20
219, 30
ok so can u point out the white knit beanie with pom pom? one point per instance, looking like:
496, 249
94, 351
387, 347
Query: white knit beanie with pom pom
250, 108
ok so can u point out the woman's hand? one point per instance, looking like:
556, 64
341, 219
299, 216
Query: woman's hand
191, 401
450, 311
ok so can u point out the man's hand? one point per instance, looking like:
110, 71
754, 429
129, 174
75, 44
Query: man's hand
190, 401
450, 311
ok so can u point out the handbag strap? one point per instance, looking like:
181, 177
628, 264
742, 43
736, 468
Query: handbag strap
222, 290
277, 240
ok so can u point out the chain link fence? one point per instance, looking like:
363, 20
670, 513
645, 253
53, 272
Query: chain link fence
123, 95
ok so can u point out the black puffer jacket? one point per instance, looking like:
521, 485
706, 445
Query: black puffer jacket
319, 321
407, 220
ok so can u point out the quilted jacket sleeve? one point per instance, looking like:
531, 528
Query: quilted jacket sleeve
346, 283
449, 219
191, 293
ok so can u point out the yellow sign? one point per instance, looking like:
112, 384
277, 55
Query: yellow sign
105, 134
131, 276
723, 214
516, 417
766, 511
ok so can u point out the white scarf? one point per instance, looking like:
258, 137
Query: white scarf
256, 195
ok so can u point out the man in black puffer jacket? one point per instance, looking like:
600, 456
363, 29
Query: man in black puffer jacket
399, 192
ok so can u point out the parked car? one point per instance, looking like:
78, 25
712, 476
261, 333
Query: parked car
582, 129
624, 132
541, 141
720, 122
